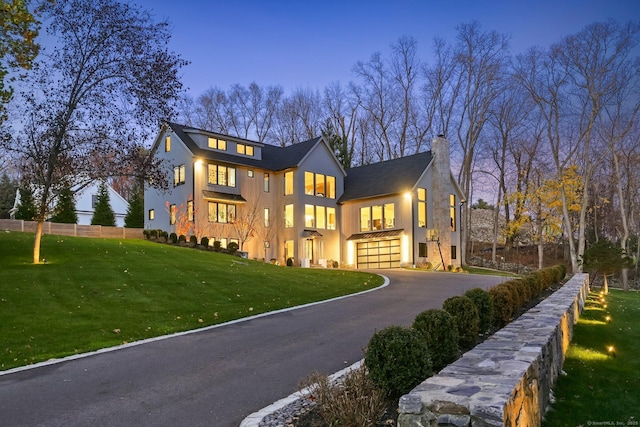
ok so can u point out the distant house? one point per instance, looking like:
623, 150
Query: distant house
87, 197
298, 202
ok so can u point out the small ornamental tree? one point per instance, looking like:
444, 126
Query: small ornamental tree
65, 210
103, 214
605, 258
27, 209
135, 213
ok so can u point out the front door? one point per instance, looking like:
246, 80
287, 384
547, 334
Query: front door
308, 250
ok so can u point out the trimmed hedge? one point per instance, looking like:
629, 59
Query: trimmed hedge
397, 359
465, 315
483, 304
438, 330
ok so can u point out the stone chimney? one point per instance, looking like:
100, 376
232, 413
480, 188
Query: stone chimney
440, 192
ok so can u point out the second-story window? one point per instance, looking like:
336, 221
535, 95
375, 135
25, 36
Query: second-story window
221, 175
266, 183
320, 185
288, 183
422, 207
167, 143
179, 175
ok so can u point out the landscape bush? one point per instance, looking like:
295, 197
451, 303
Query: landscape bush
205, 242
465, 315
163, 236
483, 304
397, 359
438, 329
173, 238
217, 245
502, 305
351, 401
232, 248
193, 241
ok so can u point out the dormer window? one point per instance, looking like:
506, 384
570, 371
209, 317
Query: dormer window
218, 144
245, 149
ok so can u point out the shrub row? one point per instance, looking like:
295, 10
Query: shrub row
399, 358
509, 297
172, 238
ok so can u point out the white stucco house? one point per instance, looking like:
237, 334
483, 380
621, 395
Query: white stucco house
298, 201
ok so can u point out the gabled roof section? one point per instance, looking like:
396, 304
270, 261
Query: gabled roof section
273, 157
385, 178
279, 158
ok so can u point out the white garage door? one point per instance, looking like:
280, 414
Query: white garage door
379, 253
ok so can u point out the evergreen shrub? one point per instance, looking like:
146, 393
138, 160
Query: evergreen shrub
465, 315
205, 242
438, 330
484, 305
182, 238
232, 248
173, 238
397, 359
503, 305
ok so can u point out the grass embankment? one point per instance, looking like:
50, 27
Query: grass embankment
601, 386
97, 293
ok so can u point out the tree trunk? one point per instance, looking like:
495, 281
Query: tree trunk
605, 285
36, 243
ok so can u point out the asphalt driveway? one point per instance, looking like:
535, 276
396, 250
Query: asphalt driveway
219, 376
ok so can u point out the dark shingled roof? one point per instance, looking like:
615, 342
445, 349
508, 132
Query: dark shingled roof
384, 178
273, 158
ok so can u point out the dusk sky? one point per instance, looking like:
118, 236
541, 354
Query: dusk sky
309, 44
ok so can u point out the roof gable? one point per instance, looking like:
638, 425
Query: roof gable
385, 178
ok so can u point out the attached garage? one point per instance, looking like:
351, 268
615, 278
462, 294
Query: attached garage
378, 249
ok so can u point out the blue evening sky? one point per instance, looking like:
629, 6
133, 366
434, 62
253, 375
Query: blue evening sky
309, 44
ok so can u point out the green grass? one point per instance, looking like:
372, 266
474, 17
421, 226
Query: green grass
601, 387
488, 271
97, 293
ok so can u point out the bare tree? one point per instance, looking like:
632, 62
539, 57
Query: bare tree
481, 60
101, 92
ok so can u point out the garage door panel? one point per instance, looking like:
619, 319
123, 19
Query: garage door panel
378, 254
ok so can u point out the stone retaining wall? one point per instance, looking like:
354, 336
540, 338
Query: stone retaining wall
507, 379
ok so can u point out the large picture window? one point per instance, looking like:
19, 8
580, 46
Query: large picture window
221, 175
378, 217
319, 185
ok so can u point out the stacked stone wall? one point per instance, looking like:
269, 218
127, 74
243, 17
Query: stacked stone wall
507, 380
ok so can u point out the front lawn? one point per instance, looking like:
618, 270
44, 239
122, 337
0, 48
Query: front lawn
97, 293
602, 381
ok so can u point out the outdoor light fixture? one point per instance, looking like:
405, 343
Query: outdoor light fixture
611, 350
608, 319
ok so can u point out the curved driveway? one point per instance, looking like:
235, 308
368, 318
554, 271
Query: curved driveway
218, 376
